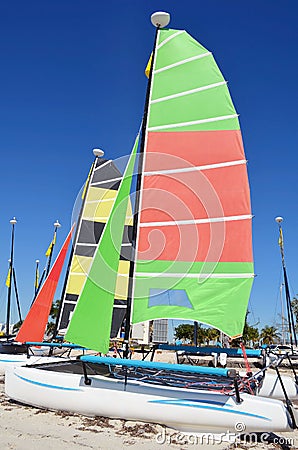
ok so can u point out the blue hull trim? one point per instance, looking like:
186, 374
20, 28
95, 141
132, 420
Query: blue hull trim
194, 404
51, 386
9, 360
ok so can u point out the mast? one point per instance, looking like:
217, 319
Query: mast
282, 315
56, 225
159, 20
13, 223
16, 293
290, 314
36, 280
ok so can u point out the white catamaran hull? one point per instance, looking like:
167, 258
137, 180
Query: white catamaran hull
7, 360
271, 387
185, 410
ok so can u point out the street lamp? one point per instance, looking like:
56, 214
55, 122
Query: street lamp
160, 19
98, 153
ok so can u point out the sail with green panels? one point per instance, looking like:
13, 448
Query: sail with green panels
90, 325
194, 244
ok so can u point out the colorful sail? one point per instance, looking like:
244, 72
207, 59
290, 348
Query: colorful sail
98, 196
34, 326
90, 325
194, 246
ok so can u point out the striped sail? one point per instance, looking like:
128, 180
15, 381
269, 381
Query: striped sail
194, 246
90, 325
99, 195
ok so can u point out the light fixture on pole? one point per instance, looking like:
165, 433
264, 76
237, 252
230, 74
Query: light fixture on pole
98, 152
160, 19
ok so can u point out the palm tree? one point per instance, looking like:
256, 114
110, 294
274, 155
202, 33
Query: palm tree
53, 316
211, 334
269, 334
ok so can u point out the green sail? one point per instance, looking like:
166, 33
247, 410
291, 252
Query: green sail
182, 65
91, 321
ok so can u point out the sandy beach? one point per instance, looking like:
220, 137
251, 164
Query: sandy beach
28, 428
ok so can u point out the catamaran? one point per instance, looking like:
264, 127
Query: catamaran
192, 211
97, 199
34, 326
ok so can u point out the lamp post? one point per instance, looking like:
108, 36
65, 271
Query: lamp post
292, 331
13, 223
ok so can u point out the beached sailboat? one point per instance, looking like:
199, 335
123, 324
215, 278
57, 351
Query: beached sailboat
34, 326
97, 198
190, 139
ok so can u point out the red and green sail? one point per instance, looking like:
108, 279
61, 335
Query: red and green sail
194, 247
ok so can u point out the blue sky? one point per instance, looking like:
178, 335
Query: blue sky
72, 78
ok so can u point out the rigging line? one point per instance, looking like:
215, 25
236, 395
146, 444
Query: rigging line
277, 300
184, 61
292, 290
193, 122
194, 168
251, 310
191, 91
278, 296
169, 39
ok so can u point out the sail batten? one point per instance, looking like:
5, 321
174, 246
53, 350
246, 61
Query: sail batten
169, 38
194, 221
194, 168
192, 91
184, 61
194, 122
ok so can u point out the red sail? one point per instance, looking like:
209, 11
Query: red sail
34, 325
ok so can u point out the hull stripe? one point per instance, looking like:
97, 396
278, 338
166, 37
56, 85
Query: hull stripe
51, 386
191, 403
